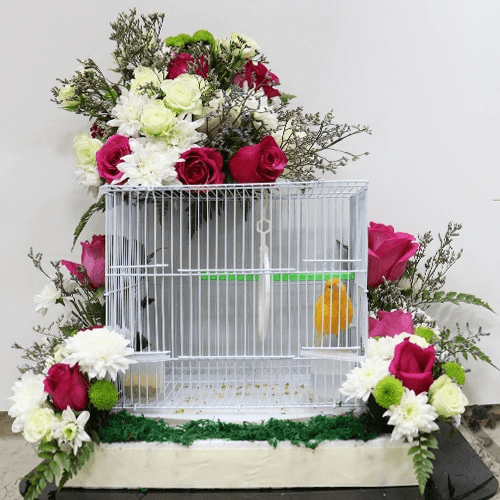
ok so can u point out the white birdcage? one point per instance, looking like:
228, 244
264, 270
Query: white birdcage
219, 290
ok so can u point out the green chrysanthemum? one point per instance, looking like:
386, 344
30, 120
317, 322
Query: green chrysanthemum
183, 39
178, 41
103, 394
388, 391
454, 371
204, 36
425, 333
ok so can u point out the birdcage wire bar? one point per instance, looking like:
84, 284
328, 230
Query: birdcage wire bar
216, 288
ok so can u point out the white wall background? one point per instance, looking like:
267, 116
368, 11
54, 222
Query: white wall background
424, 75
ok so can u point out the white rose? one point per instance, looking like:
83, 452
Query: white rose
183, 94
144, 76
85, 149
157, 120
446, 397
67, 98
38, 425
46, 298
242, 45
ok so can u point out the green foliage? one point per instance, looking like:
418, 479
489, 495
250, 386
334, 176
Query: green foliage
125, 427
462, 344
427, 275
57, 466
422, 458
138, 43
98, 206
96, 95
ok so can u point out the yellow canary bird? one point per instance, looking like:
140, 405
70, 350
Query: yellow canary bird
333, 312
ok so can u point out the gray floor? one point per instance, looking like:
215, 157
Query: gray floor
17, 457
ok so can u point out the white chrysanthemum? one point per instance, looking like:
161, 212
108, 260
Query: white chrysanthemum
361, 380
412, 416
99, 352
70, 430
88, 177
46, 298
29, 393
185, 134
150, 164
69, 282
128, 113
414, 339
382, 347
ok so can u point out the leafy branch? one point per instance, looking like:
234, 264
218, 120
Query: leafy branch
422, 458
433, 278
138, 43
57, 466
453, 297
452, 346
98, 206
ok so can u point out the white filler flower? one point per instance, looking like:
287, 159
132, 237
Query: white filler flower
99, 352
413, 415
70, 430
127, 113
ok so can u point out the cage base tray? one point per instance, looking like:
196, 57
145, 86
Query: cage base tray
215, 464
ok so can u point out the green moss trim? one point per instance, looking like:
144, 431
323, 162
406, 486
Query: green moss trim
123, 427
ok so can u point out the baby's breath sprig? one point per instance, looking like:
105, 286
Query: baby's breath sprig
307, 140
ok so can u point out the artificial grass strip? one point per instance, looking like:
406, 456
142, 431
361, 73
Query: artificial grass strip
123, 427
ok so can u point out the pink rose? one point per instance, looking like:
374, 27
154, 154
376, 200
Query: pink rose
258, 77
110, 156
390, 323
413, 365
388, 253
263, 162
67, 386
201, 166
183, 63
93, 266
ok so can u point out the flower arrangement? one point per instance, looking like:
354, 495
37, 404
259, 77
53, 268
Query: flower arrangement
412, 376
194, 110
198, 110
69, 388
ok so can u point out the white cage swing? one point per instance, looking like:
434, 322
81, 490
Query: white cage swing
228, 294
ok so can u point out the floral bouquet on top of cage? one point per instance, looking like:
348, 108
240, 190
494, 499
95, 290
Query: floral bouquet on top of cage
192, 110
412, 376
